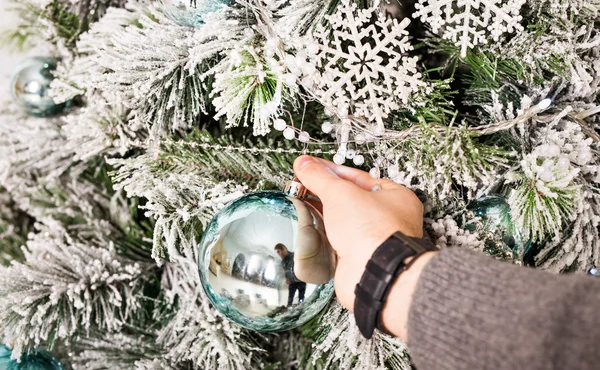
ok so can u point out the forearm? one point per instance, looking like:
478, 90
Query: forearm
471, 312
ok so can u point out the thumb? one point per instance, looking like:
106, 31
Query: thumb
317, 177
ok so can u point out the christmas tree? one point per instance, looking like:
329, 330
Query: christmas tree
147, 117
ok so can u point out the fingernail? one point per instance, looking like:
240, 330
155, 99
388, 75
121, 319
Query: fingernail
303, 161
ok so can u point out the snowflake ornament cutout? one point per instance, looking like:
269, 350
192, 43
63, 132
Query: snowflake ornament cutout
356, 64
470, 22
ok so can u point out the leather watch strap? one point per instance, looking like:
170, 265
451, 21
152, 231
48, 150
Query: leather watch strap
386, 263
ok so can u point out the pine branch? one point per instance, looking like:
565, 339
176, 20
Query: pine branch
578, 248
548, 188
197, 333
57, 294
68, 25
31, 147
139, 59
440, 162
127, 350
251, 89
14, 227
293, 351
342, 346
185, 185
56, 21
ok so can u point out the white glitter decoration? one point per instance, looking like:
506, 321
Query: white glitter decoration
365, 69
468, 23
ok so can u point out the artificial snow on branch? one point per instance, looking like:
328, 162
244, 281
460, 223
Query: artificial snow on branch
31, 146
579, 243
435, 161
469, 23
185, 184
181, 203
134, 350
250, 88
153, 67
197, 333
549, 191
341, 346
65, 288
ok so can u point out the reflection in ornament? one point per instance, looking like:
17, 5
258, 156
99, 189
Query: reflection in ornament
190, 13
30, 87
255, 293
503, 239
218, 261
35, 360
294, 284
239, 266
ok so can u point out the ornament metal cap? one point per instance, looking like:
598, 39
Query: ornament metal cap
294, 188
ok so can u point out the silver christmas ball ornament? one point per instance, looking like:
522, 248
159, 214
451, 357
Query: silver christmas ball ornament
191, 13
30, 87
265, 261
35, 359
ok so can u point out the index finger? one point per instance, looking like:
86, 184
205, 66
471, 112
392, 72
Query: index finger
361, 178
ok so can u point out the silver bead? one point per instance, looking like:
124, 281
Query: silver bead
289, 133
358, 160
304, 137
339, 159
279, 124
360, 138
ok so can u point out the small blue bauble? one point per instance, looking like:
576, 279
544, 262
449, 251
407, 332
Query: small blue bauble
35, 360
495, 214
30, 85
190, 13
249, 277
593, 271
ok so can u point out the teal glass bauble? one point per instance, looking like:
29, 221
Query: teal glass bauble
262, 262
37, 359
30, 86
191, 13
495, 214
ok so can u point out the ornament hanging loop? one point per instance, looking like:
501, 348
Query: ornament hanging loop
294, 188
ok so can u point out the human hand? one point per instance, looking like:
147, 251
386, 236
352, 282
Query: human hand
314, 259
287, 281
357, 220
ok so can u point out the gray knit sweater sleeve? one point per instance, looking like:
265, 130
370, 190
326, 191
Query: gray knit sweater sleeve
474, 313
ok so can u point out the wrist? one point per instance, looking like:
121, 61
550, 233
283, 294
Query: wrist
395, 311
382, 272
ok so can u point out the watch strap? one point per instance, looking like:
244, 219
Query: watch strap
386, 263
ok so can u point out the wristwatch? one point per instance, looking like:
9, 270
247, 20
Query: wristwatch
384, 267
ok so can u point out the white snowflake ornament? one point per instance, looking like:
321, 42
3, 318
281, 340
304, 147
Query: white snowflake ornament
357, 64
470, 22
